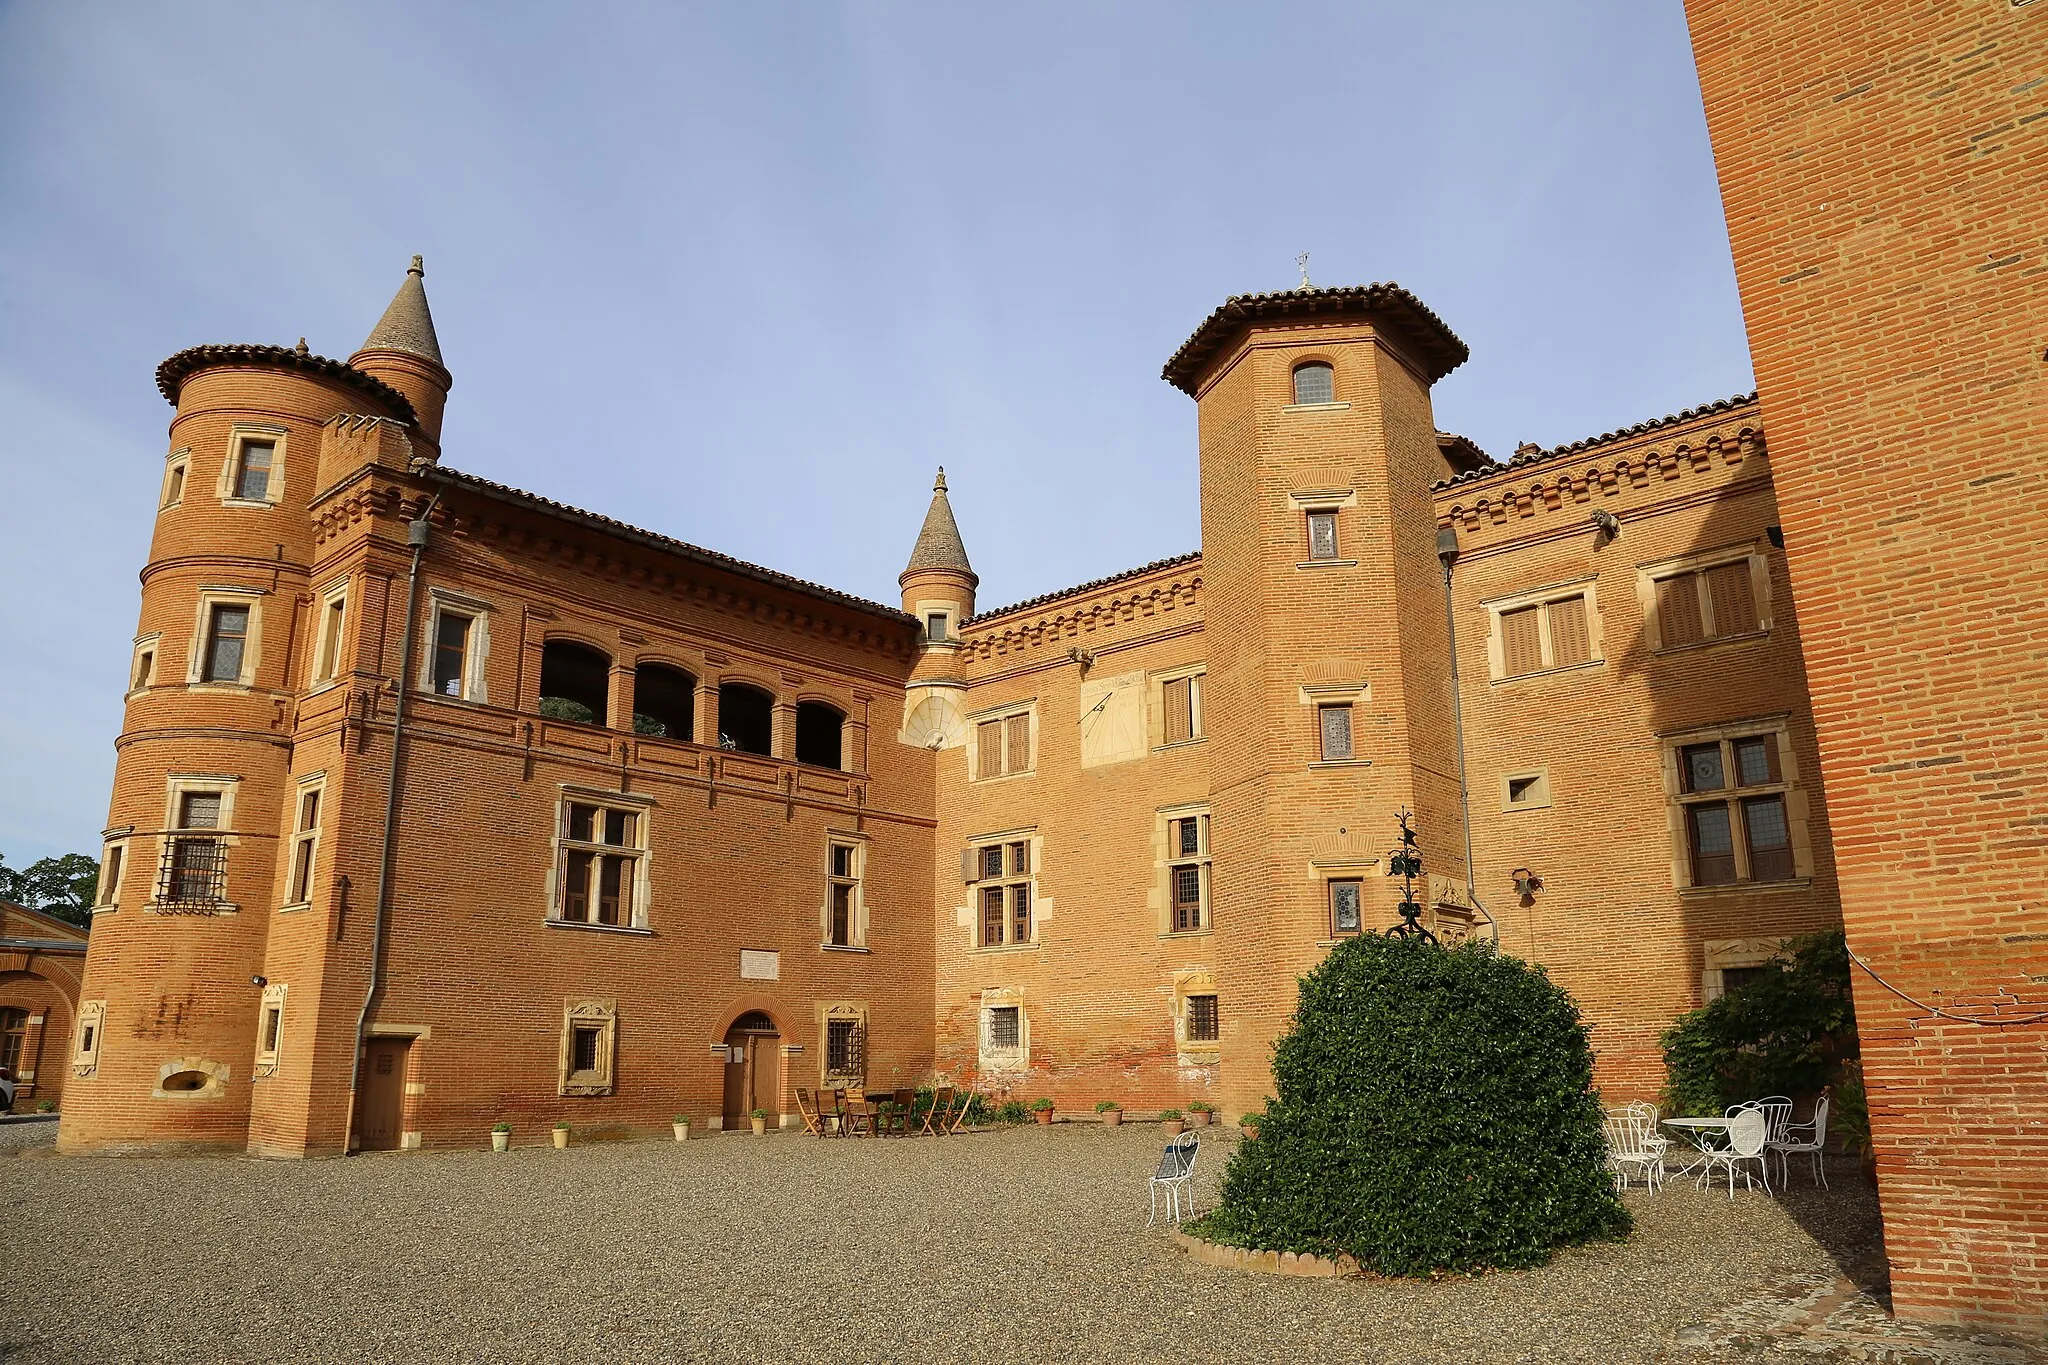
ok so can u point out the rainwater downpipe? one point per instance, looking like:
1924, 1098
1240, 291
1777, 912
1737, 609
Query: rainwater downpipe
1447, 554
416, 533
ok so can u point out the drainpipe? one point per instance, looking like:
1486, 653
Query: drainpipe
1447, 554
416, 537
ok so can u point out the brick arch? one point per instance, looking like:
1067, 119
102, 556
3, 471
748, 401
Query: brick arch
43, 990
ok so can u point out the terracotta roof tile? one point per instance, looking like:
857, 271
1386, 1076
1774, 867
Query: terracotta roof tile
1191, 557
171, 375
1433, 343
1533, 457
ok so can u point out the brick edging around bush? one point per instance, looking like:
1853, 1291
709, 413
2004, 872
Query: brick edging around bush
1265, 1262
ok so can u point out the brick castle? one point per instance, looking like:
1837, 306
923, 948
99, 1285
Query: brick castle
439, 803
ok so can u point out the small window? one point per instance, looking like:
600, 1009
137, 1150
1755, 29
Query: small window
935, 628
145, 669
1314, 382
273, 1026
843, 928
1181, 702
583, 1048
746, 719
174, 485
1187, 873
1735, 978
575, 683
1527, 791
451, 654
1322, 534
820, 735
305, 847
1202, 1021
1005, 1028
227, 635
1002, 746
1335, 724
110, 875
1346, 906
327, 652
600, 861
252, 469
590, 1042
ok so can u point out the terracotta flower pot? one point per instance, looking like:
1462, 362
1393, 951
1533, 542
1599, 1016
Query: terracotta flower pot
1201, 1118
1044, 1116
681, 1130
1250, 1130
1174, 1127
561, 1137
1113, 1117
501, 1141
760, 1127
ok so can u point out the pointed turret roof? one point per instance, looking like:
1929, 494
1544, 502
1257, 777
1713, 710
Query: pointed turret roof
407, 325
938, 544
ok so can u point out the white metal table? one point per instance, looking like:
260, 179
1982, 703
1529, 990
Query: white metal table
1696, 1132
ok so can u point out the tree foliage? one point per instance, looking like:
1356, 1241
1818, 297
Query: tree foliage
65, 887
1436, 1112
1786, 1032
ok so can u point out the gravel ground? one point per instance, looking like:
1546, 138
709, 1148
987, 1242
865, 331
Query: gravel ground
1021, 1245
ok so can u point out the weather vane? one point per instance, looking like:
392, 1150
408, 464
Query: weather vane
1302, 261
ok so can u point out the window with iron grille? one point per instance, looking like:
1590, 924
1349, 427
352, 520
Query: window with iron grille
843, 928
1202, 1022
195, 867
600, 849
1732, 796
844, 1048
1003, 883
1005, 1027
1187, 872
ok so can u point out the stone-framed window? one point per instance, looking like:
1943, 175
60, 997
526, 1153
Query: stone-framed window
114, 872
1738, 814
177, 469
1004, 743
269, 1029
601, 856
458, 646
1333, 709
590, 1042
1346, 896
302, 868
1181, 835
1197, 1021
227, 637
89, 1038
252, 474
1732, 962
1703, 598
1005, 1032
1529, 790
941, 621
1002, 873
844, 920
1178, 706
842, 1046
194, 848
142, 668
1545, 629
330, 624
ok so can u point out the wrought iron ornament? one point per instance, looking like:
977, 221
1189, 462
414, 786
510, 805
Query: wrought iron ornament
1405, 862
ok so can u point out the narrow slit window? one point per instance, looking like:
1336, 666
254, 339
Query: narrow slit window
305, 847
1178, 697
329, 654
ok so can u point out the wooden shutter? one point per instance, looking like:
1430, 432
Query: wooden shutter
1734, 604
1678, 610
1180, 713
1569, 642
1521, 642
970, 865
989, 747
1020, 744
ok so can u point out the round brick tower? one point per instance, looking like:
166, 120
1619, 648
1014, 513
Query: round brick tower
204, 787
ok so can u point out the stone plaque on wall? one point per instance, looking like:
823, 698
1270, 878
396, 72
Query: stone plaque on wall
757, 964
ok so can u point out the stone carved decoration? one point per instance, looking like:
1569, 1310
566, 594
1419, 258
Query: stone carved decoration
598, 1017
92, 1027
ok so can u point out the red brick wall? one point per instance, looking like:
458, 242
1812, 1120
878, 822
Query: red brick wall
1885, 176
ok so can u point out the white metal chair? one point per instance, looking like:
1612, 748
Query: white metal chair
1176, 1174
1749, 1128
1777, 1117
1810, 1137
1633, 1144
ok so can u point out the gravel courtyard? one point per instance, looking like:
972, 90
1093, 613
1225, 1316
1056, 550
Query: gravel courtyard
1021, 1245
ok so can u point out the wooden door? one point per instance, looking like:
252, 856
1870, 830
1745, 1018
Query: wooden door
736, 1105
764, 1074
382, 1093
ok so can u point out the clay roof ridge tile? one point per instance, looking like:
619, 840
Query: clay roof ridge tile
1540, 456
1043, 598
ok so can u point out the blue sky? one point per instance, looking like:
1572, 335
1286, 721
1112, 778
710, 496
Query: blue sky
744, 274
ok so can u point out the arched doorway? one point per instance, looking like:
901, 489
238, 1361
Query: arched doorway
753, 1069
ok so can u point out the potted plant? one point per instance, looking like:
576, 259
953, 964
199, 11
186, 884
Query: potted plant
562, 1133
681, 1124
1173, 1121
1112, 1112
1204, 1113
501, 1136
1041, 1109
760, 1118
1248, 1124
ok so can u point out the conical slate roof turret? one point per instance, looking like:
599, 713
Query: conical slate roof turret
938, 544
407, 325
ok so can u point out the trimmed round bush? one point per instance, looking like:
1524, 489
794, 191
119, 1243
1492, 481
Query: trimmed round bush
1436, 1112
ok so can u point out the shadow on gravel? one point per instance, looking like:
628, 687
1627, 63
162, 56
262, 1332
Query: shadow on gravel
1844, 1219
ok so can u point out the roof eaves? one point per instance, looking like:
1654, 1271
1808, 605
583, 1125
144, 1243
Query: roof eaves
1536, 457
171, 375
1044, 598
1434, 343
654, 540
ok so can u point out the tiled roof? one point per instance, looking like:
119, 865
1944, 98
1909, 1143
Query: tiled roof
1191, 557
1432, 342
407, 324
1591, 442
171, 375
938, 544
711, 558
1462, 452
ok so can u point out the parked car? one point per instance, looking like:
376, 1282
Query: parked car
6, 1091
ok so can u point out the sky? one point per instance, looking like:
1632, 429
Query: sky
746, 274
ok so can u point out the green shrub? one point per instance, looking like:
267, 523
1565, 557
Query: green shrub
1786, 1032
1011, 1111
1168, 1115
1042, 1105
1436, 1112
1104, 1106
561, 708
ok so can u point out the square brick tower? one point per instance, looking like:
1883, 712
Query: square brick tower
1885, 174
1318, 450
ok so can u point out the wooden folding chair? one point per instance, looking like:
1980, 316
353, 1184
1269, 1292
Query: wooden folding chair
937, 1116
966, 1106
807, 1110
837, 1114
